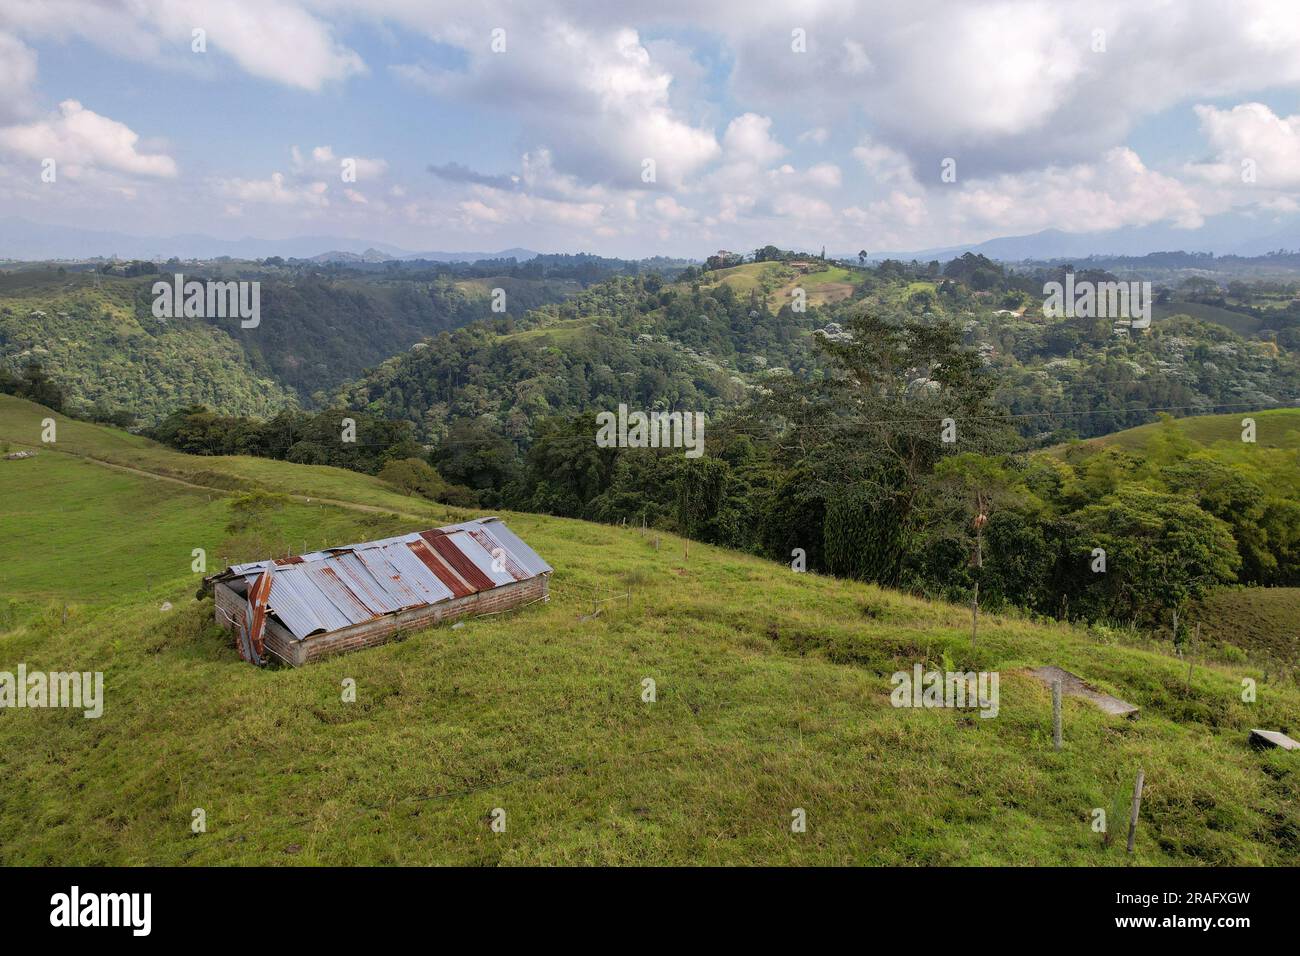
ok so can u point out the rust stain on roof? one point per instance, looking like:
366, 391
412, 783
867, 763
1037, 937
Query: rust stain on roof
326, 590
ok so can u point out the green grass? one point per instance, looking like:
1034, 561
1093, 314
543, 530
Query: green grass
773, 693
1239, 322
831, 274
560, 332
1274, 428
1257, 620
20, 427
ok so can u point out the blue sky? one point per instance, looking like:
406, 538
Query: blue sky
823, 123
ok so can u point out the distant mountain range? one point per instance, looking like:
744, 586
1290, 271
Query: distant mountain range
25, 240
1238, 234
1241, 234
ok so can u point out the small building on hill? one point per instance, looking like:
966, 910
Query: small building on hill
303, 608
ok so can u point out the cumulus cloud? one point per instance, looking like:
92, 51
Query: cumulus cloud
885, 164
277, 40
459, 173
321, 163
1008, 85
81, 141
1120, 190
1034, 99
17, 77
749, 140
276, 191
1250, 140
598, 100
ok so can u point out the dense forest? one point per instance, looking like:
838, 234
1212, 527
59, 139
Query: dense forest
96, 337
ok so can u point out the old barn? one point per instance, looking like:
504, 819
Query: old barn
302, 608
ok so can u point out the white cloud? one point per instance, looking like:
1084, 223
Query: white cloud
80, 141
1037, 121
749, 140
1253, 134
277, 191
884, 163
322, 163
17, 76
596, 100
1117, 191
825, 175
277, 40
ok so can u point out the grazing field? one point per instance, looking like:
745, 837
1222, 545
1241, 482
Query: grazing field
772, 692
1275, 428
1256, 620
1239, 322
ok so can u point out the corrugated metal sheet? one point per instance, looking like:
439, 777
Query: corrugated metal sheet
461, 563
336, 588
523, 554
308, 608
481, 557
356, 575
500, 556
326, 577
458, 586
416, 575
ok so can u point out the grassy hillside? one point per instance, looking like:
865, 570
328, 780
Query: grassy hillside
1252, 618
772, 694
1239, 322
1274, 428
778, 281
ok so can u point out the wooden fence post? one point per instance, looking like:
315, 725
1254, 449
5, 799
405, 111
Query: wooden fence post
1137, 806
1056, 714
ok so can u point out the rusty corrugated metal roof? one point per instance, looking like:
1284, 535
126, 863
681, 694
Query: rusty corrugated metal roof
335, 588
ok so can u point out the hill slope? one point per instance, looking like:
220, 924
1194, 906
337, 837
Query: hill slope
1274, 428
772, 694
98, 340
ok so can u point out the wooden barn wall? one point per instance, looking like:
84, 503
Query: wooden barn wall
229, 602
382, 629
280, 642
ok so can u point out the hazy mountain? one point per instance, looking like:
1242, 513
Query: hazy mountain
26, 240
1230, 234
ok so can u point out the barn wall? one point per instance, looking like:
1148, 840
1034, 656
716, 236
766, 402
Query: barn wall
231, 603
382, 629
280, 643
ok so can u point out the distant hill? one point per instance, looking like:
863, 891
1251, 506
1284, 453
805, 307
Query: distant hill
1228, 234
97, 339
24, 240
1275, 428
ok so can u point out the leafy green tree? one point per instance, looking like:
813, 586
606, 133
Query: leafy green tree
1161, 550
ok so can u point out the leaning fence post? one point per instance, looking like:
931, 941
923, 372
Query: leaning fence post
1133, 814
1056, 714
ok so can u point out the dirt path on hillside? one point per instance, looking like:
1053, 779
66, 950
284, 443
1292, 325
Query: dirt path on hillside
304, 499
